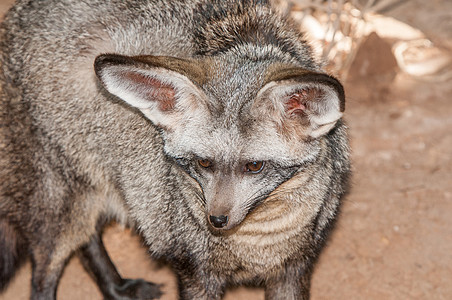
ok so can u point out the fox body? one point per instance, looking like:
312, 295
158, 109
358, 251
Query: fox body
207, 125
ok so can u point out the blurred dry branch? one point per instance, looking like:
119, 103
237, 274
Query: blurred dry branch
337, 28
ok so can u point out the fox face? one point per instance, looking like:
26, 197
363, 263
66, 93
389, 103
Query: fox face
238, 130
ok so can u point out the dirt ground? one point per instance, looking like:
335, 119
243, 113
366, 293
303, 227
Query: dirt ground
394, 237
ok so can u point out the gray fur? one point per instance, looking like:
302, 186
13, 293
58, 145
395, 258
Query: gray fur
86, 140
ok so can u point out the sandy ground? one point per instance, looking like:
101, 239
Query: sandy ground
394, 238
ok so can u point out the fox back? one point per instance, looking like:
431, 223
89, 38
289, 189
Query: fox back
207, 125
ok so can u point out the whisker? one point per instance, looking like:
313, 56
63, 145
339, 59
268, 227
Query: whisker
200, 197
254, 200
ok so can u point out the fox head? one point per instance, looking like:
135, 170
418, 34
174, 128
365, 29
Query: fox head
239, 129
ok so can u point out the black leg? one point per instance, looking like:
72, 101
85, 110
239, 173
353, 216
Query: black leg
293, 284
47, 265
96, 261
199, 285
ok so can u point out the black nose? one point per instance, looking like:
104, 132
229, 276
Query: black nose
218, 221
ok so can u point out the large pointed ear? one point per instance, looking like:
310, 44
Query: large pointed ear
165, 89
306, 101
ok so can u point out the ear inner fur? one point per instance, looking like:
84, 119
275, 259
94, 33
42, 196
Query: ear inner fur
308, 103
281, 73
299, 101
162, 93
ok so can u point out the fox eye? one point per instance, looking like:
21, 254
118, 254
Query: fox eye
254, 167
205, 163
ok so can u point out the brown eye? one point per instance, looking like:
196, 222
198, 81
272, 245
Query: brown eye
205, 163
254, 167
